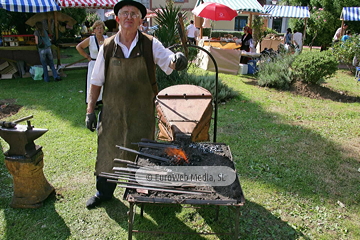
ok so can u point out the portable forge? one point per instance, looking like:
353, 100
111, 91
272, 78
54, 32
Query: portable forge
184, 114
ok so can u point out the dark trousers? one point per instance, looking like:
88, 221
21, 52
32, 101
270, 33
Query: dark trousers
244, 60
191, 40
105, 189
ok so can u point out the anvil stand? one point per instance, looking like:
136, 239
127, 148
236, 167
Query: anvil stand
24, 160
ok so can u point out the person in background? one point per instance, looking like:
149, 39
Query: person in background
43, 43
191, 31
339, 31
246, 42
298, 41
346, 36
144, 27
125, 68
94, 43
84, 29
288, 39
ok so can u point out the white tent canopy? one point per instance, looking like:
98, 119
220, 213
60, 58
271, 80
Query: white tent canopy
31, 6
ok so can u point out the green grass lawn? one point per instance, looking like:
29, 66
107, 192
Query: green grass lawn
297, 159
70, 55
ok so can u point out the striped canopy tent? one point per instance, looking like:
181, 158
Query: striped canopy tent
244, 6
31, 6
95, 4
350, 14
287, 11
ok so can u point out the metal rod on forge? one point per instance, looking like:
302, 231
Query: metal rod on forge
137, 186
155, 145
143, 154
144, 180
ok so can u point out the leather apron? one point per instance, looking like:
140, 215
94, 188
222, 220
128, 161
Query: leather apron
128, 112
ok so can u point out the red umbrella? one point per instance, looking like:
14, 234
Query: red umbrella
215, 11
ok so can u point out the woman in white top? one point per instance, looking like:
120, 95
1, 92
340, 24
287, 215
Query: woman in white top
93, 42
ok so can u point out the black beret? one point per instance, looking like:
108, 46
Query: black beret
136, 4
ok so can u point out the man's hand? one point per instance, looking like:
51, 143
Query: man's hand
91, 121
180, 61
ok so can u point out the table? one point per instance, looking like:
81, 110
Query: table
219, 44
28, 54
17, 40
227, 60
270, 43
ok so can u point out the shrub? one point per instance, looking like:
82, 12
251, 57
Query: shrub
314, 67
345, 51
275, 71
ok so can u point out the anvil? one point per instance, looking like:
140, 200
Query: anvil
21, 139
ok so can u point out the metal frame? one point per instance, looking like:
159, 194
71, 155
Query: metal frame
216, 82
131, 217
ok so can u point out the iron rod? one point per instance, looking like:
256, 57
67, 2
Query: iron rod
144, 180
136, 186
155, 145
123, 161
143, 154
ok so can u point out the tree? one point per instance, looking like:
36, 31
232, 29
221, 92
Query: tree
167, 18
345, 51
14, 22
79, 14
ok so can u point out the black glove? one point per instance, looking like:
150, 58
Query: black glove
180, 61
91, 121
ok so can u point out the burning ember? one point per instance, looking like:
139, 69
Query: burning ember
178, 155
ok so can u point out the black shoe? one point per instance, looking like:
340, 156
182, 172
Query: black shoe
93, 202
58, 79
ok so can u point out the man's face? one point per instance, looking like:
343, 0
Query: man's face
129, 18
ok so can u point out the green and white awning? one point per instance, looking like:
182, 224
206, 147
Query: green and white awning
287, 11
238, 5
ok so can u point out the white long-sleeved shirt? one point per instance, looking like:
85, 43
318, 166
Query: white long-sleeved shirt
162, 57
